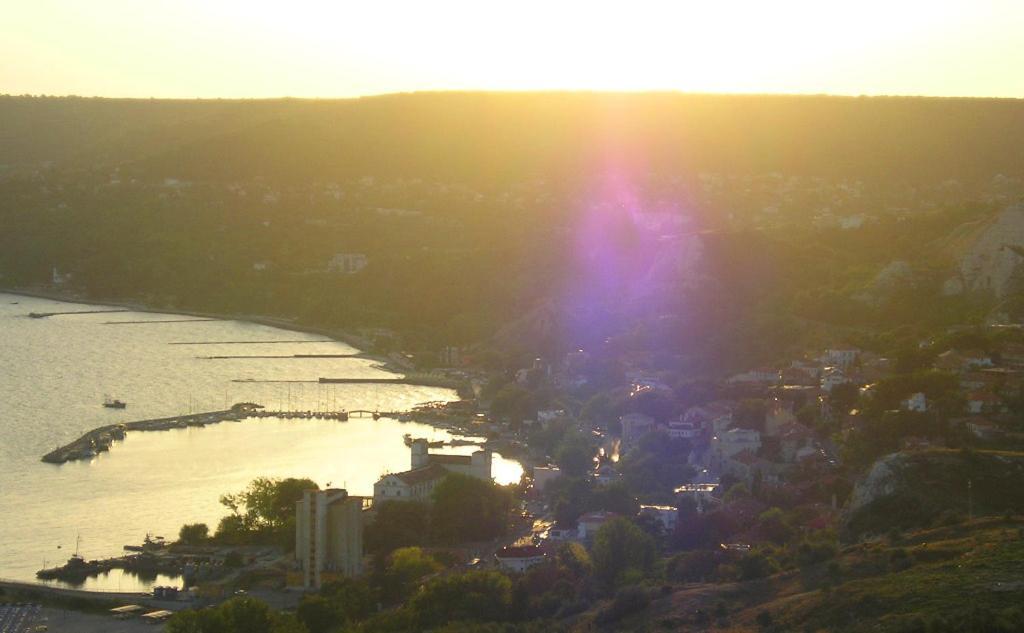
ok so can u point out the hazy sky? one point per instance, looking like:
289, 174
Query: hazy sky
235, 48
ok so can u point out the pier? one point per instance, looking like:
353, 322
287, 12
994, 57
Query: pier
100, 439
43, 315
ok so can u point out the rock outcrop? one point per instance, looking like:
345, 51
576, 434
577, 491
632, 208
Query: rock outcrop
992, 259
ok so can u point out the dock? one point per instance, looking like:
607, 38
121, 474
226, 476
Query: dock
43, 315
100, 439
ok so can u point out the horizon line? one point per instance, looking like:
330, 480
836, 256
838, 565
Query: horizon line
524, 92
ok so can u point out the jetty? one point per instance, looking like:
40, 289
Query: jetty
43, 315
101, 438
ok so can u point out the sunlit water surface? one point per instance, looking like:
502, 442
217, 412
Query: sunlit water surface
54, 373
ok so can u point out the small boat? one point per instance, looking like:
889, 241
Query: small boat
114, 403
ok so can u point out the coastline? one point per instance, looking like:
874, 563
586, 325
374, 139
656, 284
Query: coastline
388, 363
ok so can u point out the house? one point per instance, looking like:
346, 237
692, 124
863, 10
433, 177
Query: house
977, 359
715, 417
983, 402
746, 466
329, 535
915, 402
983, 429
519, 558
561, 532
667, 516
544, 475
761, 375
792, 439
588, 524
780, 413
347, 263
701, 494
734, 441
680, 430
1013, 354
842, 357
832, 377
634, 426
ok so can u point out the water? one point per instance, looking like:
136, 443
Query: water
55, 372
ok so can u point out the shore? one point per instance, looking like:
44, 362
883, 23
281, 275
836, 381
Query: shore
393, 363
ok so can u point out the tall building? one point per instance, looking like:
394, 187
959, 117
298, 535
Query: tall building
329, 535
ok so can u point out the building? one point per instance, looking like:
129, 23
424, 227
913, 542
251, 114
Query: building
412, 485
702, 494
915, 402
733, 441
832, 377
680, 430
427, 471
667, 516
347, 263
544, 475
634, 426
476, 465
842, 357
519, 558
588, 524
329, 535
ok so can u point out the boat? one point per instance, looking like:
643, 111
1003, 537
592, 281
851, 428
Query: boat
150, 544
114, 403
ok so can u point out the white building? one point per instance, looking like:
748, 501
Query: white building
347, 263
916, 402
329, 535
519, 558
428, 470
680, 430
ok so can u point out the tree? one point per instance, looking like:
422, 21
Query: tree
397, 524
477, 595
468, 509
264, 511
405, 567
238, 615
621, 549
318, 614
575, 456
193, 533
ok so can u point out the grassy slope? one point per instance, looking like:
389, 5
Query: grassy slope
944, 571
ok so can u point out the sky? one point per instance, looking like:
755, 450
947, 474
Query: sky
345, 48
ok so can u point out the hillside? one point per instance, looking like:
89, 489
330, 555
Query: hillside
964, 577
491, 138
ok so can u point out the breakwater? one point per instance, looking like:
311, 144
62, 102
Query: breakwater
100, 439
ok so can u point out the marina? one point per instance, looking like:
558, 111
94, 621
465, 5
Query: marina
60, 369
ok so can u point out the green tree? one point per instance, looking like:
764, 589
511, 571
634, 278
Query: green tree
575, 455
468, 509
405, 567
397, 524
477, 595
193, 533
621, 550
318, 614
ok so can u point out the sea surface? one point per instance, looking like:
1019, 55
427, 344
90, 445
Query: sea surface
55, 373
